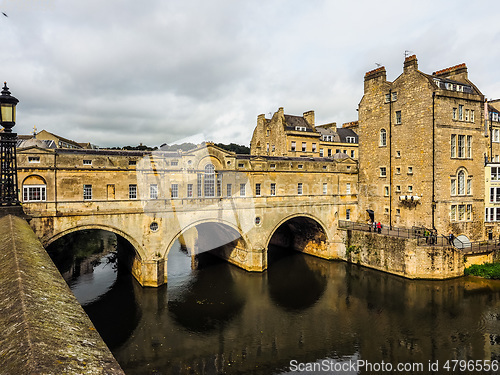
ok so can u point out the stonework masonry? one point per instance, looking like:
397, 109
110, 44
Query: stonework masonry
44, 328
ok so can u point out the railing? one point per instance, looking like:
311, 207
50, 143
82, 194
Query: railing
424, 237
414, 232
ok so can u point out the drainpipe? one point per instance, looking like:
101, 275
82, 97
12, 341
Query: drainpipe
55, 180
433, 160
390, 158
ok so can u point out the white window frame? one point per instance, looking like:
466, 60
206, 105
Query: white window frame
348, 188
87, 192
189, 191
325, 188
174, 190
243, 190
383, 171
29, 193
383, 138
33, 159
153, 191
273, 189
257, 190
132, 191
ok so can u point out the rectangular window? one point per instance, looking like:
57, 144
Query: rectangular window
241, 165
469, 146
471, 115
273, 148
273, 189
398, 170
199, 184
304, 146
267, 147
410, 189
314, 147
469, 186
219, 184
453, 145
398, 154
386, 191
348, 188
132, 162
34, 193
461, 212
398, 117
496, 135
33, 159
293, 145
153, 191
325, 188
469, 212
387, 98
486, 214
461, 112
352, 154
229, 190
398, 188
454, 113
299, 188
257, 190
453, 187
461, 146
174, 190
466, 115
492, 213
87, 192
410, 170
383, 172
453, 212
189, 192
494, 173
242, 190
321, 152
174, 163
394, 96
329, 152
348, 214
132, 192
398, 211
497, 216
87, 162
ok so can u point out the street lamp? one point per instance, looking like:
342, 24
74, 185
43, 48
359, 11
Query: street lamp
8, 163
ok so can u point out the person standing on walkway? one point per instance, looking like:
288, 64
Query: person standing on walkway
379, 227
451, 237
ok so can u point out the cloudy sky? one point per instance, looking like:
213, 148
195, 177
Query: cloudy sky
120, 72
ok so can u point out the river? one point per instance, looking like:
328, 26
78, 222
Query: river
303, 313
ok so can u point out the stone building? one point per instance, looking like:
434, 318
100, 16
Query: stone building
298, 136
422, 148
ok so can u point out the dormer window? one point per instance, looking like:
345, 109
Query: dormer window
328, 138
351, 139
33, 159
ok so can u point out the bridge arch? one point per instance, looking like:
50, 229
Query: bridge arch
140, 253
234, 233
302, 232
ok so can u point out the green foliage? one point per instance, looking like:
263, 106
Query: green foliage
238, 149
487, 270
352, 249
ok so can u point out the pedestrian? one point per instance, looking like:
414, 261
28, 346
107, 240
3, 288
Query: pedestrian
379, 227
451, 237
374, 226
426, 235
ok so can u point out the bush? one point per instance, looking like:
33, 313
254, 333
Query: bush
487, 270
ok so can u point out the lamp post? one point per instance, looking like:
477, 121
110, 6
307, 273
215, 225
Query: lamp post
8, 163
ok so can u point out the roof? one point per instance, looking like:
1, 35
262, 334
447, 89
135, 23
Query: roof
345, 132
291, 122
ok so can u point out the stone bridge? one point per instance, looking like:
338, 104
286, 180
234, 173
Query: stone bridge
208, 199
239, 230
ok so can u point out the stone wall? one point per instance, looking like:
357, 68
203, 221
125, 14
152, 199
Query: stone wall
403, 257
44, 328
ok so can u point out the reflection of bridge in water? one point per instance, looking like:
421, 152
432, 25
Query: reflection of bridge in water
228, 320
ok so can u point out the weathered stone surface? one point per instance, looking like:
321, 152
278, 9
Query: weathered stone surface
44, 328
402, 256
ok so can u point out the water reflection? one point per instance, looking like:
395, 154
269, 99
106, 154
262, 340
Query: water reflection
221, 319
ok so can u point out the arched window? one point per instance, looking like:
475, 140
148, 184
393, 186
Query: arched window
34, 189
383, 137
209, 183
461, 183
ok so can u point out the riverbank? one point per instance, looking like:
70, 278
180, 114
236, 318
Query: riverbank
486, 270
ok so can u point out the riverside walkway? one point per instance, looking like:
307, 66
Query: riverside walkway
419, 233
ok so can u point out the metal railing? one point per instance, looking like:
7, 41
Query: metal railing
424, 237
414, 232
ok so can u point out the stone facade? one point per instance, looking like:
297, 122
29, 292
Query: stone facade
207, 198
298, 136
422, 146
